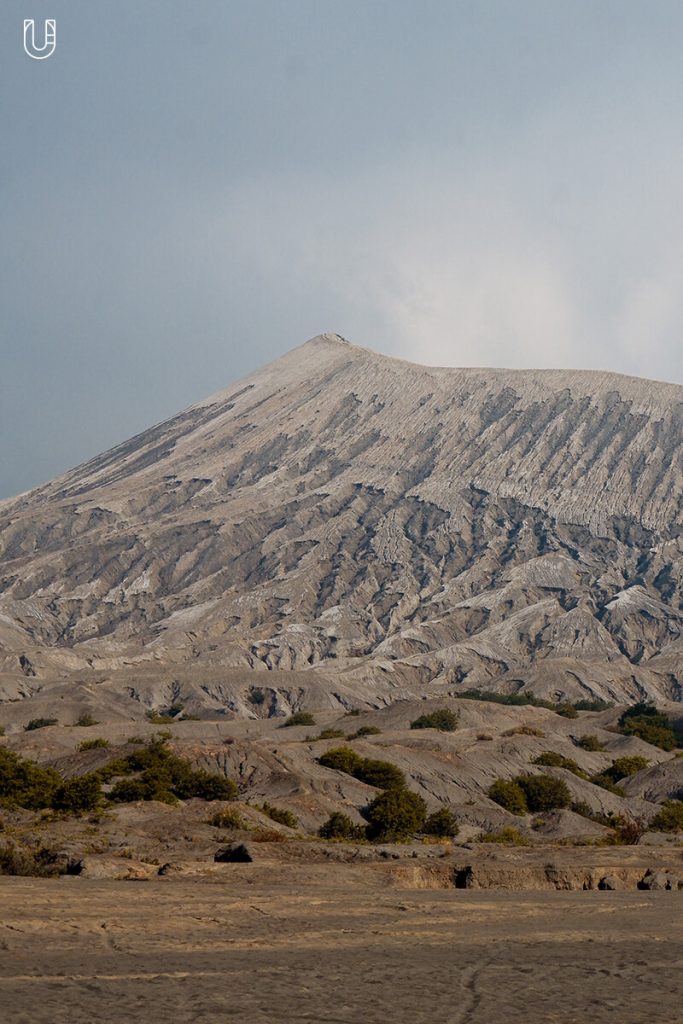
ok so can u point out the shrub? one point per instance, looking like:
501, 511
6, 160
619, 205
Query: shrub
331, 734
24, 783
227, 818
551, 759
280, 815
624, 767
268, 835
652, 726
508, 836
590, 742
669, 818
85, 720
353, 713
525, 730
96, 744
441, 823
381, 774
79, 795
256, 697
39, 723
509, 795
605, 782
442, 719
627, 829
36, 863
164, 776
592, 705
299, 718
543, 792
365, 730
340, 826
136, 740
394, 815
566, 710
372, 771
341, 759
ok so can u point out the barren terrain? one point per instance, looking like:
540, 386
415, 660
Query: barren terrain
290, 945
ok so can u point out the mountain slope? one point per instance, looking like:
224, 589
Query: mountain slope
369, 526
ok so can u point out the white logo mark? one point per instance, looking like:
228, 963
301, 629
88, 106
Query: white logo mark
48, 47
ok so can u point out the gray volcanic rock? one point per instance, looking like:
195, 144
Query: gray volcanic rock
346, 528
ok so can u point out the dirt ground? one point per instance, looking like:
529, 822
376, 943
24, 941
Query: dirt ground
286, 943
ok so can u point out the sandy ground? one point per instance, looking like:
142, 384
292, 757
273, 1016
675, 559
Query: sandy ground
333, 945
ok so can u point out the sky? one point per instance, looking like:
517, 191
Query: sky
188, 190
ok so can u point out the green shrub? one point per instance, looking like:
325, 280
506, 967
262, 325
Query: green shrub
165, 777
96, 744
508, 836
372, 771
86, 720
543, 792
24, 783
381, 774
605, 782
394, 815
331, 734
299, 718
341, 759
509, 795
551, 759
227, 818
669, 818
441, 823
280, 815
442, 719
25, 861
649, 724
590, 742
39, 723
365, 730
79, 795
624, 767
524, 730
340, 826
566, 710
592, 705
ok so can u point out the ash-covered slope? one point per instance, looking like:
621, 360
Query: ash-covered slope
372, 527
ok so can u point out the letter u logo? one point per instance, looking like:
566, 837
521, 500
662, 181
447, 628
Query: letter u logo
49, 41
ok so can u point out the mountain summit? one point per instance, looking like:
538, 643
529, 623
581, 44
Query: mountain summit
341, 522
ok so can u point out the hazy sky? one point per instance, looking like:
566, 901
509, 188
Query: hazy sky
188, 189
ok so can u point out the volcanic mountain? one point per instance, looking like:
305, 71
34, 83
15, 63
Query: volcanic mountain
346, 528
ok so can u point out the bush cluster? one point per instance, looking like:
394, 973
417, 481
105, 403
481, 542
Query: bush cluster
395, 814
590, 742
24, 783
530, 793
442, 719
340, 826
162, 775
39, 723
551, 759
669, 818
566, 709
280, 815
299, 718
652, 726
372, 771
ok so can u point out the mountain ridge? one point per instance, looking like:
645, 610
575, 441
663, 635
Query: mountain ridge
352, 515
